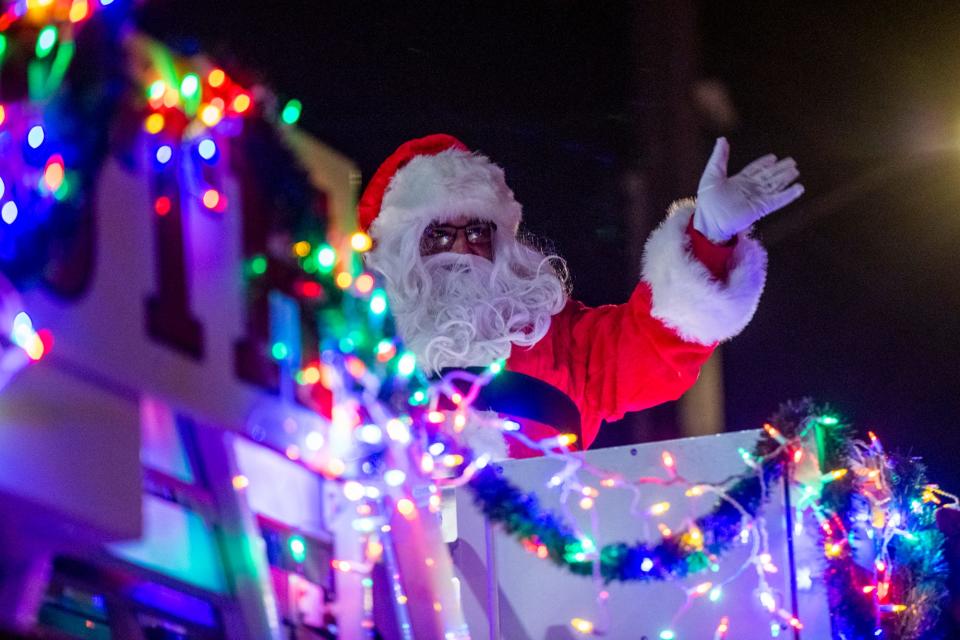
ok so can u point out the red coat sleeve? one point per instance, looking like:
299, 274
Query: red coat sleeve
618, 358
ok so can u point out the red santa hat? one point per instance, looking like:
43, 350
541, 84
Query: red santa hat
435, 178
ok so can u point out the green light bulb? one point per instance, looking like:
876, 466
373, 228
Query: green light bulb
189, 85
279, 351
298, 549
46, 41
291, 112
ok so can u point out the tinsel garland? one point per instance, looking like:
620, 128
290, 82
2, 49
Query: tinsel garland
917, 574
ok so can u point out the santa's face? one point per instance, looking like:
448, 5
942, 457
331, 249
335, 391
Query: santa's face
467, 307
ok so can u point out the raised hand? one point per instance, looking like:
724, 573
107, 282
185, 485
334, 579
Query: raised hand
727, 205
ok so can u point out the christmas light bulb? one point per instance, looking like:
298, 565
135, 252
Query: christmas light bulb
154, 123
216, 77
207, 149
581, 625
35, 136
9, 212
406, 365
164, 153
659, 508
210, 115
360, 242
240, 482
353, 490
241, 103
314, 440
189, 85
291, 112
298, 549
46, 41
406, 508
79, 10
394, 477
398, 431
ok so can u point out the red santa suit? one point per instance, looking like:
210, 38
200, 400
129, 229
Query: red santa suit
608, 360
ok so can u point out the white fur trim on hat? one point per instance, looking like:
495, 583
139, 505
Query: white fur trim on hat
442, 186
686, 296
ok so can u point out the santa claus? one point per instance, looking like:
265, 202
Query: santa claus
467, 290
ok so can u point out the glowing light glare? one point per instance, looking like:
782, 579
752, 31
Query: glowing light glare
837, 474
311, 374
406, 508
3, 114
240, 482
156, 90
511, 425
668, 461
154, 123
46, 41
829, 420
370, 433
566, 439
832, 550
189, 85
715, 594
164, 153
364, 283
291, 112
162, 205
211, 115
207, 149
646, 565
361, 242
398, 431
35, 136
426, 463
9, 212
353, 490
216, 78
452, 460
496, 367
79, 10
436, 448
326, 257
53, 173
242, 103
394, 477
298, 549
436, 417
3, 187
774, 433
701, 589
586, 503
722, 628
344, 280
768, 601
667, 634
378, 303
659, 508
406, 365
314, 441
581, 625
212, 199
301, 249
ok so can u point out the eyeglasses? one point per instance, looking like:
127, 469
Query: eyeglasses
441, 237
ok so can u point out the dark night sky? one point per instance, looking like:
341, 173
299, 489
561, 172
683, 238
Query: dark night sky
864, 287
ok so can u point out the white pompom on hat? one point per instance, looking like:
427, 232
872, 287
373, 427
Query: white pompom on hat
435, 178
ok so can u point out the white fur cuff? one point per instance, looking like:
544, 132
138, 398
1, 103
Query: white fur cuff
686, 296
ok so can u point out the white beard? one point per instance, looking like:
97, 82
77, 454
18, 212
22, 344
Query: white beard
458, 310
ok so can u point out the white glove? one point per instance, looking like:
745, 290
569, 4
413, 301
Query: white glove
728, 205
